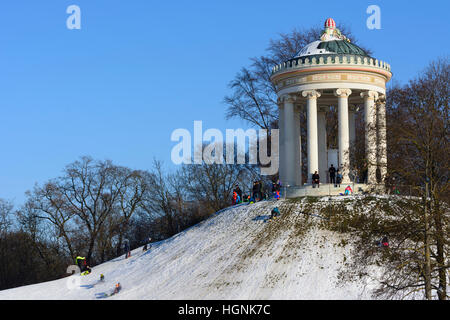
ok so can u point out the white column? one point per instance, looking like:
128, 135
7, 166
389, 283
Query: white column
290, 142
298, 154
282, 155
370, 134
312, 138
322, 138
343, 133
382, 141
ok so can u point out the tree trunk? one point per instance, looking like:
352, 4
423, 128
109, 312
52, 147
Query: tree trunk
427, 275
440, 256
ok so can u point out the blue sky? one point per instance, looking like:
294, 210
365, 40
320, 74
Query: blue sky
138, 69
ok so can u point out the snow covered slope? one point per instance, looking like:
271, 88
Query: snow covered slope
232, 255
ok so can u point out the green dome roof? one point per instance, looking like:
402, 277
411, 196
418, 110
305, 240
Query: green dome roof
341, 46
335, 46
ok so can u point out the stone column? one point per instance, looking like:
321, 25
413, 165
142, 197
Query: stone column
381, 140
312, 138
290, 141
343, 133
322, 138
282, 155
370, 134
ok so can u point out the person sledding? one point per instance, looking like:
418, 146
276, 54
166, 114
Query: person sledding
117, 288
384, 242
348, 191
274, 213
147, 241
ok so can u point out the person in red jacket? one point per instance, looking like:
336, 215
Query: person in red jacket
348, 190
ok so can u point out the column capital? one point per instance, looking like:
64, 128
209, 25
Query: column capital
342, 92
311, 94
369, 95
381, 99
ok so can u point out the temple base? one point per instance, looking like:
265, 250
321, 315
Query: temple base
328, 189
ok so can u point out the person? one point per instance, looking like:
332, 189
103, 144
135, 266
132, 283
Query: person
384, 242
102, 277
87, 270
315, 179
348, 190
147, 241
239, 192
338, 179
255, 190
276, 188
236, 198
332, 171
262, 190
394, 187
117, 288
127, 249
81, 263
274, 213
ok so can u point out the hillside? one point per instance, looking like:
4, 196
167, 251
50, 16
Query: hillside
232, 255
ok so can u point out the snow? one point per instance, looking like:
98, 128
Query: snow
232, 255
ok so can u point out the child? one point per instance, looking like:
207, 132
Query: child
117, 288
384, 242
338, 179
275, 213
277, 194
348, 190
236, 198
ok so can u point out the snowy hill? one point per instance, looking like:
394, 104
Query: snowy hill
232, 255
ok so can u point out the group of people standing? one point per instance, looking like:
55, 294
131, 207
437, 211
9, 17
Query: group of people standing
335, 177
260, 190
